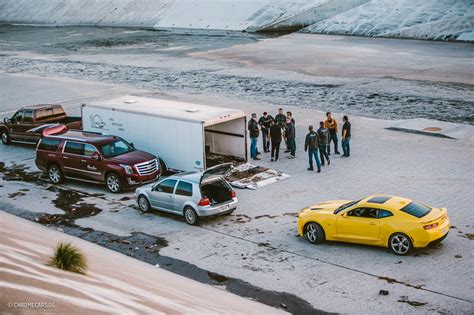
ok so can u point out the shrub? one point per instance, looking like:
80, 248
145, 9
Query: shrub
68, 257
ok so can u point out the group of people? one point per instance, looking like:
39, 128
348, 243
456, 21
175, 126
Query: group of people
280, 128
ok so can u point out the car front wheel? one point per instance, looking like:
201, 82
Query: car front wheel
113, 183
400, 244
190, 216
314, 233
5, 137
143, 203
55, 174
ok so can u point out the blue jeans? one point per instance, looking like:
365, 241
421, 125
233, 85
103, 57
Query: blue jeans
266, 139
316, 157
323, 152
292, 146
335, 141
253, 147
346, 148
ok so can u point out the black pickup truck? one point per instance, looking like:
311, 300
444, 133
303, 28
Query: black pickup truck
29, 123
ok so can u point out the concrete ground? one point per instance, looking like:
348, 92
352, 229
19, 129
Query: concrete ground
259, 242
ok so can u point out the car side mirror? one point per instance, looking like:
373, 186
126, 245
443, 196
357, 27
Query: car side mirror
96, 156
344, 214
132, 145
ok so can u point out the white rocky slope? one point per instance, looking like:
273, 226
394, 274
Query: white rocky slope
421, 19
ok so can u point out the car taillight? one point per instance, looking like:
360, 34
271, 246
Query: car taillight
233, 194
204, 202
430, 226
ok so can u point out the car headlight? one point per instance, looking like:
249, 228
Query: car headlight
127, 168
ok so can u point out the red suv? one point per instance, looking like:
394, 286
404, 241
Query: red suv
95, 157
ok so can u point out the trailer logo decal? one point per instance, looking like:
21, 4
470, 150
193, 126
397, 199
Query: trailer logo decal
97, 122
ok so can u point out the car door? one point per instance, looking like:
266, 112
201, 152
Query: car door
183, 193
73, 159
28, 127
358, 225
16, 125
162, 195
91, 165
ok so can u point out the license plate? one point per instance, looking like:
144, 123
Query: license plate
224, 208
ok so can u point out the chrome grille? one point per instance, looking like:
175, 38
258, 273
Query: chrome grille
147, 168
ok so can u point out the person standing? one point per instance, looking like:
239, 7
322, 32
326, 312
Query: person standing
323, 137
346, 137
275, 135
280, 118
289, 115
264, 123
311, 144
331, 124
291, 135
254, 132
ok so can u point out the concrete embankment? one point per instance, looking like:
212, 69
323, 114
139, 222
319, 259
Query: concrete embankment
437, 19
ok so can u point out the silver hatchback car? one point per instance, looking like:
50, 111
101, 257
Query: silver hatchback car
191, 194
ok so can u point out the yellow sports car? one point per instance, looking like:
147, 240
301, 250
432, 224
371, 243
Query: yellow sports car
394, 222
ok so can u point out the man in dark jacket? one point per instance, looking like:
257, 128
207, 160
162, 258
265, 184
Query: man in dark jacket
254, 132
264, 123
346, 137
311, 144
291, 135
323, 137
275, 135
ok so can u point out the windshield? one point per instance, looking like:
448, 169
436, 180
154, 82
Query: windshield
115, 148
346, 205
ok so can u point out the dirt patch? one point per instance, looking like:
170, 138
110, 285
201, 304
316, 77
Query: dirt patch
125, 198
70, 202
20, 173
391, 280
16, 194
469, 236
217, 277
404, 299
242, 218
266, 216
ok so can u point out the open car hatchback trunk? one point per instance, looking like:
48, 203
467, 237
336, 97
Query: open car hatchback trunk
218, 191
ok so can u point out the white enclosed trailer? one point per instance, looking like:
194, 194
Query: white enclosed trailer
182, 135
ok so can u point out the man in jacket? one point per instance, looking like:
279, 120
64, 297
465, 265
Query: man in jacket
346, 137
331, 124
254, 132
264, 123
323, 137
289, 115
311, 144
275, 135
291, 135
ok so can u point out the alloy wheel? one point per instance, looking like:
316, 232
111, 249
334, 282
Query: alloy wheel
311, 233
190, 216
400, 244
113, 183
54, 174
143, 203
5, 138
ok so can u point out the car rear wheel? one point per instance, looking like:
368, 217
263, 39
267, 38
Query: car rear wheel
190, 216
55, 174
5, 137
163, 170
143, 203
113, 183
314, 233
400, 244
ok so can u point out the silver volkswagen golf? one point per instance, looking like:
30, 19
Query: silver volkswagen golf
191, 194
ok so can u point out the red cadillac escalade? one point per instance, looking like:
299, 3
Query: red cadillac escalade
95, 157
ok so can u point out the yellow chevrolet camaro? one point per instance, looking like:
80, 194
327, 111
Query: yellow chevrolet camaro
394, 222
